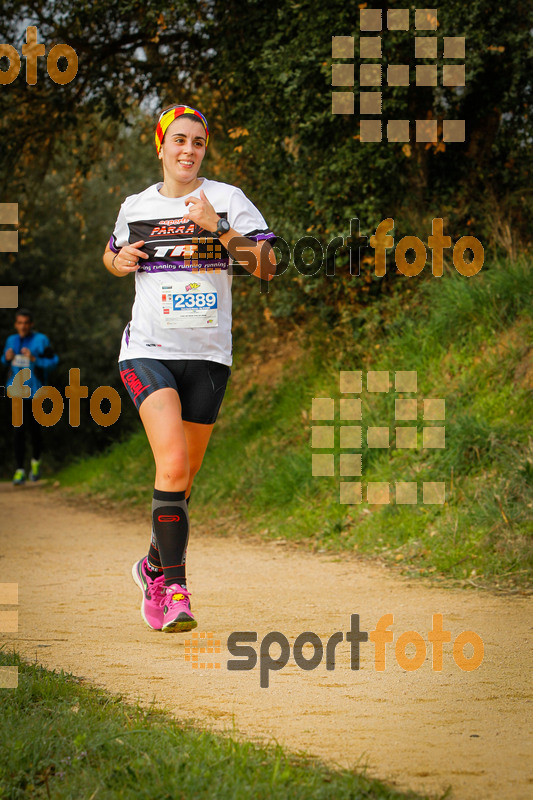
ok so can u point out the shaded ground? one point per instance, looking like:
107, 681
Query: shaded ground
423, 730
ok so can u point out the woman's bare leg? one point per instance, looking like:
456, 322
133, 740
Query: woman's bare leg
197, 436
161, 416
178, 448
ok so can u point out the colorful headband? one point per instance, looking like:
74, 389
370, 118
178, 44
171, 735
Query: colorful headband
170, 115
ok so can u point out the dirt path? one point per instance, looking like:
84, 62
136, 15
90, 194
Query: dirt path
424, 730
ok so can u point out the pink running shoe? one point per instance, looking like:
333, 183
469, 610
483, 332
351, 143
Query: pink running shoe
153, 594
176, 607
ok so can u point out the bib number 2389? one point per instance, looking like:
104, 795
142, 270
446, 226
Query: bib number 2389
189, 306
204, 300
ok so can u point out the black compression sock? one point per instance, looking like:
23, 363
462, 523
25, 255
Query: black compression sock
154, 571
154, 561
153, 558
171, 529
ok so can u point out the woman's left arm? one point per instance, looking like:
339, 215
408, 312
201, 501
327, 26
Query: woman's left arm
258, 258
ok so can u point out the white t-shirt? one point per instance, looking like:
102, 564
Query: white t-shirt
182, 307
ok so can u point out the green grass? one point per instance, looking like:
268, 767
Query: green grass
469, 341
63, 739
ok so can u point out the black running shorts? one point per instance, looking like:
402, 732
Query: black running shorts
200, 384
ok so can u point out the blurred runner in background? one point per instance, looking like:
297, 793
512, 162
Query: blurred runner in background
28, 349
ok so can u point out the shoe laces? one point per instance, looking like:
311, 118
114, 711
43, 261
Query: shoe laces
178, 594
157, 587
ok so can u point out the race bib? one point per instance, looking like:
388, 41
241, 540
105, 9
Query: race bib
21, 361
189, 303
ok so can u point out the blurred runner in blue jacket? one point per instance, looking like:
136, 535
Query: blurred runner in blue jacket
30, 349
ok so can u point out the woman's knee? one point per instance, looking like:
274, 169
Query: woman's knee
174, 468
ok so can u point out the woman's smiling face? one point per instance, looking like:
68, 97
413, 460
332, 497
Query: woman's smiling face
183, 149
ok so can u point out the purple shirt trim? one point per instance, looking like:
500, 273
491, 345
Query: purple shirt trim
258, 237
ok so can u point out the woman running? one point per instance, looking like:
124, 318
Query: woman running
180, 238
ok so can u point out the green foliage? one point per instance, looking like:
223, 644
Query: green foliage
467, 309
319, 175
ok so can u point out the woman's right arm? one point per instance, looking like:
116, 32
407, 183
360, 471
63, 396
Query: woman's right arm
125, 261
